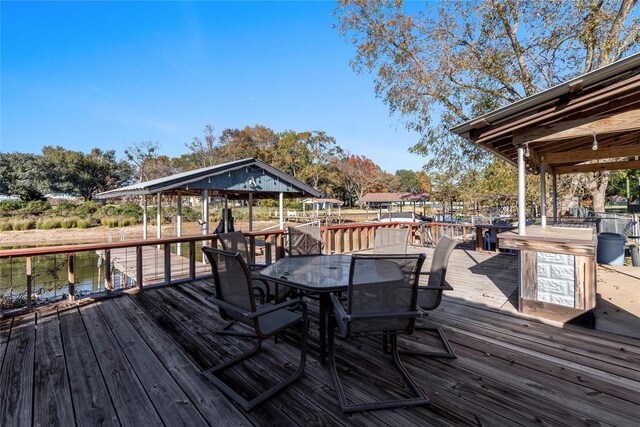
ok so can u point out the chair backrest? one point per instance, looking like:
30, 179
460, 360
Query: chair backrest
232, 281
235, 242
430, 299
380, 286
391, 241
305, 240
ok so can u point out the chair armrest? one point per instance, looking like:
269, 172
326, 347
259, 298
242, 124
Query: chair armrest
229, 307
270, 308
338, 309
445, 287
396, 315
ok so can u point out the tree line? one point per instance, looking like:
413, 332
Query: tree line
312, 157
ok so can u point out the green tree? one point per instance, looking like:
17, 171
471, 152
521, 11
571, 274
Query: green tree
459, 59
409, 180
23, 175
79, 174
249, 142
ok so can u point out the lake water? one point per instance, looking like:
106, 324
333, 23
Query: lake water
49, 277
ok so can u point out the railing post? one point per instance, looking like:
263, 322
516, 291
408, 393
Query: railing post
192, 260
29, 282
267, 250
167, 263
252, 249
279, 246
71, 277
108, 285
139, 267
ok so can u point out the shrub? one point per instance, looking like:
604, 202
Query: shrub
109, 221
65, 207
84, 223
9, 207
48, 223
71, 222
6, 226
23, 225
87, 209
124, 222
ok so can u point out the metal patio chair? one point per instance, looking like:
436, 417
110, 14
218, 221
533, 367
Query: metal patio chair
305, 240
382, 300
390, 241
237, 242
430, 296
234, 296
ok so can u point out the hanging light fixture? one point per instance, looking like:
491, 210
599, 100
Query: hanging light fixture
526, 149
594, 146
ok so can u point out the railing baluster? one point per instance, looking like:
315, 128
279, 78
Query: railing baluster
192, 259
138, 267
71, 277
167, 263
29, 282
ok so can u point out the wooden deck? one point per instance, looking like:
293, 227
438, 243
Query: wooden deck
138, 359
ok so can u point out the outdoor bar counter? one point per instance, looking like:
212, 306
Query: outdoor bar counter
556, 271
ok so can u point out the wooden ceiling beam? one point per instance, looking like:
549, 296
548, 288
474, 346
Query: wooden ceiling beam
598, 167
628, 88
620, 122
601, 153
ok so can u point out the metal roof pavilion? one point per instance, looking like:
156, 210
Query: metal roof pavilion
235, 180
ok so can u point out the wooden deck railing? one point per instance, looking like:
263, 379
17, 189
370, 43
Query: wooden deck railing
153, 262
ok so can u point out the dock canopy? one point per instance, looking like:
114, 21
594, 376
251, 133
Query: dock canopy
393, 197
235, 180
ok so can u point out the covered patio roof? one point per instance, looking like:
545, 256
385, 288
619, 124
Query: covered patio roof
234, 179
595, 116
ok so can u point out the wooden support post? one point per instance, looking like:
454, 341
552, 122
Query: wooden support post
71, 275
29, 282
139, 267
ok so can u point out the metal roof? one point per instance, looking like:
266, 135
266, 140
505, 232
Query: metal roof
561, 120
234, 179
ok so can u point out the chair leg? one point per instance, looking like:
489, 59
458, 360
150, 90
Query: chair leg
248, 405
448, 354
345, 407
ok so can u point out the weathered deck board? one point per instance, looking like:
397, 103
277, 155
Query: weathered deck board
146, 352
206, 397
92, 404
16, 383
51, 378
172, 404
129, 396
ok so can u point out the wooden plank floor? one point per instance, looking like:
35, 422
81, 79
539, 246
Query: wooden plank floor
138, 360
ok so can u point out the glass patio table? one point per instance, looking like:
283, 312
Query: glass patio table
321, 275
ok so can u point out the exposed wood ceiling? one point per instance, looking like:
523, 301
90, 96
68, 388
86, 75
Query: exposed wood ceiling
560, 127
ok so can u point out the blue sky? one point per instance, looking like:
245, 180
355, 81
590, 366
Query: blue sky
108, 75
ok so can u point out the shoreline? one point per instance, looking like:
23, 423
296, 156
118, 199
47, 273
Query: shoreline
99, 234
